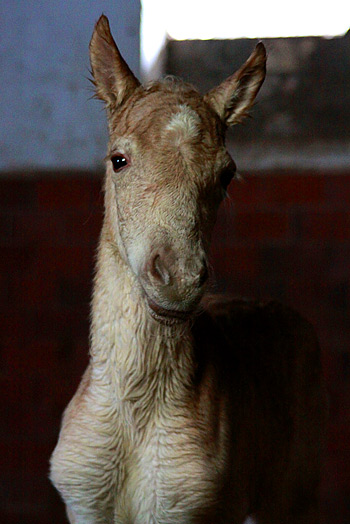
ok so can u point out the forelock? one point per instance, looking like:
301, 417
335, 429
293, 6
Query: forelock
184, 125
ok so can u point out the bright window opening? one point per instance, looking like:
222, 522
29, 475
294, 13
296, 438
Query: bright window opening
228, 19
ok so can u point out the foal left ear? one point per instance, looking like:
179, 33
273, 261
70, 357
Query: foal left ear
113, 79
232, 99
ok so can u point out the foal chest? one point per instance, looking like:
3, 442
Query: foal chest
171, 476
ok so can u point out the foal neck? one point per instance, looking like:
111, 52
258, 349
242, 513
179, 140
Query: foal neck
139, 356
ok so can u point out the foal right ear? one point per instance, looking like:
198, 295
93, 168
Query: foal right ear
232, 99
113, 78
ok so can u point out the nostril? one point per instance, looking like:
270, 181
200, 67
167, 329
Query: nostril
159, 271
203, 274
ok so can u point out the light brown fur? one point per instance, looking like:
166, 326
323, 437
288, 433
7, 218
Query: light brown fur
183, 417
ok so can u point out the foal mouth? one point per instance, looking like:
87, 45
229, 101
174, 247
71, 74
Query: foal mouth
165, 316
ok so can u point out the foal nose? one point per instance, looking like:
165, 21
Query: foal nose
159, 271
173, 276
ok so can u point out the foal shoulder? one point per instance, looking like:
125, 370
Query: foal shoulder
265, 359
241, 320
257, 338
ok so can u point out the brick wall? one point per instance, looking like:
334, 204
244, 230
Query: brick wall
279, 235
50, 229
287, 236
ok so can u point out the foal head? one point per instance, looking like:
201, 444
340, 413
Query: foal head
167, 171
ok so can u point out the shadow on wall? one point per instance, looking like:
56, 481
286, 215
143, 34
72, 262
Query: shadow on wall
302, 115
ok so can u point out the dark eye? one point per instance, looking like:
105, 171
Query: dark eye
118, 161
226, 176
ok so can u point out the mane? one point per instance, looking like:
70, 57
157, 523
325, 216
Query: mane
170, 83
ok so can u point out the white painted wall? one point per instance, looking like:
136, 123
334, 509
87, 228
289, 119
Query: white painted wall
46, 118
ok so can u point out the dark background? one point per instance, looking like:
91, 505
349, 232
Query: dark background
284, 233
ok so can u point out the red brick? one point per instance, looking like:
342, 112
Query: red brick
17, 258
261, 225
16, 413
97, 192
74, 292
250, 224
64, 193
44, 334
306, 289
300, 189
38, 227
12, 456
28, 456
30, 499
12, 320
61, 228
34, 403
35, 354
4, 288
338, 470
68, 260
242, 192
18, 193
223, 230
335, 493
339, 437
337, 189
6, 227
325, 225
64, 325
329, 366
344, 404
83, 228
235, 262
31, 288
263, 190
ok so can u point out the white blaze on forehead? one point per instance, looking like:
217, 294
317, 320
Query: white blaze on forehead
184, 125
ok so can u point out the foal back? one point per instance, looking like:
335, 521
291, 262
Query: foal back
266, 383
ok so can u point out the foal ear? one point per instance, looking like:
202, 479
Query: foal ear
113, 79
232, 99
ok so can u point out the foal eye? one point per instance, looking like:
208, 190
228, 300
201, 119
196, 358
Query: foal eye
118, 162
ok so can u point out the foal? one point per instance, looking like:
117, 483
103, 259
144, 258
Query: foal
183, 417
